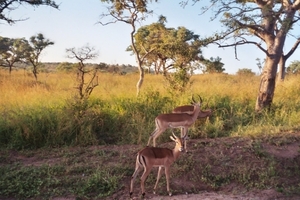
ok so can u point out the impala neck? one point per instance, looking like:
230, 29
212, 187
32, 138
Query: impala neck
196, 111
204, 113
176, 152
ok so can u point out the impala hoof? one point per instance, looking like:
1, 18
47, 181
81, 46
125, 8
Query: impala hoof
143, 195
170, 194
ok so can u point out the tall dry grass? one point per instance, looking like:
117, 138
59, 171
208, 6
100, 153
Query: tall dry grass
45, 113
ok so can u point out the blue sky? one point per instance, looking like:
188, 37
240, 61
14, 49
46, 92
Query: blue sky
75, 25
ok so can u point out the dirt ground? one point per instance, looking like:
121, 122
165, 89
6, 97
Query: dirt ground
285, 149
188, 178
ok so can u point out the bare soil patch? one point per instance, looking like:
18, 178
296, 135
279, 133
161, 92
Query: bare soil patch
223, 168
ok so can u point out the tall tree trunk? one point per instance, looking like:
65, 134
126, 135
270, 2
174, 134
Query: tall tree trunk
141, 80
281, 64
34, 71
139, 60
10, 69
267, 83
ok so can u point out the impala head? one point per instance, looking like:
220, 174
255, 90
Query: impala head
178, 141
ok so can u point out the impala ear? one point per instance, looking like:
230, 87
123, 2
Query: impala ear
172, 138
200, 99
174, 135
193, 100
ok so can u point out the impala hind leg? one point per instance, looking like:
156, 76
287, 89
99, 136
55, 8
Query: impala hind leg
154, 135
143, 179
138, 168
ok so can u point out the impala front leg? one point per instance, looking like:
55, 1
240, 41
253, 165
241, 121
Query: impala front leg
184, 136
159, 173
167, 172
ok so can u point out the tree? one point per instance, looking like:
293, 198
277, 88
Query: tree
6, 6
284, 57
130, 12
269, 23
164, 48
294, 67
259, 64
36, 45
213, 65
152, 38
12, 51
83, 54
66, 67
245, 72
175, 53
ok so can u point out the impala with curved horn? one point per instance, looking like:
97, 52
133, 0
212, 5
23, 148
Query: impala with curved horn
189, 110
175, 120
150, 157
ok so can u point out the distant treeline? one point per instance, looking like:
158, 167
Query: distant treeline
69, 67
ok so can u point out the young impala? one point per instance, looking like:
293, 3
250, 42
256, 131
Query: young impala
175, 120
150, 157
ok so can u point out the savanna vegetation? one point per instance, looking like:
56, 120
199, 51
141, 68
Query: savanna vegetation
45, 113
73, 134
45, 118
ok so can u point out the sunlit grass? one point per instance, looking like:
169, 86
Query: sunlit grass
45, 114
19, 89
114, 114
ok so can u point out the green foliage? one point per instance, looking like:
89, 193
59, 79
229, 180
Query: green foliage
24, 182
213, 65
168, 49
294, 67
245, 72
66, 67
12, 51
7, 6
179, 81
175, 53
27, 128
18, 50
101, 183
27, 182
130, 120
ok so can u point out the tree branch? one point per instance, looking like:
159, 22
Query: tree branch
293, 49
242, 42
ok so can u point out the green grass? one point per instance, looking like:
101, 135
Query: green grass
40, 119
63, 174
45, 113
104, 171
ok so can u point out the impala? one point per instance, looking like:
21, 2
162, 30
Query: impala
189, 110
150, 157
175, 120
